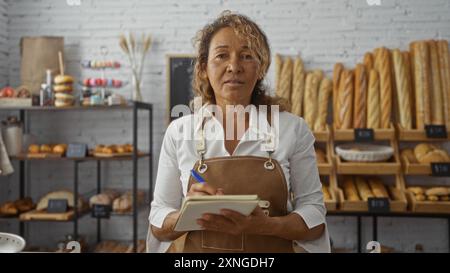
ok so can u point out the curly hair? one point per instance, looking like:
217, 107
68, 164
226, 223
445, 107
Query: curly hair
257, 43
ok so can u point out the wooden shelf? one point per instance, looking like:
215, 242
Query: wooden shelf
416, 135
36, 216
349, 134
415, 168
69, 108
88, 158
427, 206
322, 136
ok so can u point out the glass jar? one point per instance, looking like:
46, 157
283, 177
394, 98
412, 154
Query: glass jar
12, 133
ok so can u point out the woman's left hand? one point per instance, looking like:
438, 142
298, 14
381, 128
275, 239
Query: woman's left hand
235, 223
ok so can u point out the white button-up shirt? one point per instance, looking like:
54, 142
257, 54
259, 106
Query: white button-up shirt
294, 152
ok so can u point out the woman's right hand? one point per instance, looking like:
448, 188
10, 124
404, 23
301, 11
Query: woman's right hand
204, 189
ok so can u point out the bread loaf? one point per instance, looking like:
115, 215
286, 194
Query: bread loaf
350, 191
422, 84
432, 198
337, 72
373, 102
396, 194
416, 190
67, 195
408, 155
378, 189
278, 68
384, 70
326, 193
346, 100
363, 188
324, 97
410, 83
402, 90
437, 109
298, 87
360, 101
368, 61
319, 74
444, 68
311, 100
286, 80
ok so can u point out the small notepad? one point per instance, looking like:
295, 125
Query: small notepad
195, 206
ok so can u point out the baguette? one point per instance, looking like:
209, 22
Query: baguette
384, 71
350, 191
363, 189
444, 68
410, 83
278, 67
360, 101
319, 74
286, 80
346, 100
402, 89
326, 193
378, 189
422, 84
337, 73
298, 87
373, 102
324, 96
368, 61
396, 195
437, 111
311, 100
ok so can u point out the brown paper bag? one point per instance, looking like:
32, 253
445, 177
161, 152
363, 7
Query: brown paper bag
39, 54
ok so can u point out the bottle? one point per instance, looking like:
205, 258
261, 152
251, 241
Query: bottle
43, 95
50, 95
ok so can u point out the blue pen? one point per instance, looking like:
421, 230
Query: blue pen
197, 177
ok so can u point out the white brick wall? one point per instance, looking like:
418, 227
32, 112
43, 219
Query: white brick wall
322, 31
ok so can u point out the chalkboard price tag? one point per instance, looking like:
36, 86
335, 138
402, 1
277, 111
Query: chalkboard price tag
76, 150
436, 131
440, 169
101, 211
57, 205
379, 205
364, 135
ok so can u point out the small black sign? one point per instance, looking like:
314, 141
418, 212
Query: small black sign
436, 131
101, 211
57, 205
379, 205
364, 135
440, 169
76, 150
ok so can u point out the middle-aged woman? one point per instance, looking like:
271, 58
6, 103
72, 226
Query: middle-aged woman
233, 57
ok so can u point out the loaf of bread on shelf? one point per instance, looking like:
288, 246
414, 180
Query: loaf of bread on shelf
437, 107
363, 188
420, 197
105, 198
402, 89
416, 190
368, 61
346, 92
284, 90
124, 203
324, 97
444, 69
278, 68
395, 194
437, 191
422, 82
350, 191
432, 198
410, 80
337, 73
320, 156
378, 189
373, 101
8, 209
33, 149
298, 87
310, 103
384, 70
428, 153
444, 198
64, 194
360, 101
59, 149
45, 148
24, 204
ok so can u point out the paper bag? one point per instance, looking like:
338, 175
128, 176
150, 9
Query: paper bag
39, 54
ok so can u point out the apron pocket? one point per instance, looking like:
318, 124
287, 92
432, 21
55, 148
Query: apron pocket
222, 241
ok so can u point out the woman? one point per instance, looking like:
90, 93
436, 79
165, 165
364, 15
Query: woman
232, 61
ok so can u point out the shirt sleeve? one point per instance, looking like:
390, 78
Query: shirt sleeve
304, 178
168, 189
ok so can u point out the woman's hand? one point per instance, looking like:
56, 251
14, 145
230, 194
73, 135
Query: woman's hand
203, 189
235, 223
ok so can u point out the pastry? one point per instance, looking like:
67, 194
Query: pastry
62, 88
378, 189
360, 101
311, 100
422, 149
363, 188
384, 71
324, 96
432, 198
63, 100
105, 198
416, 190
346, 100
24, 204
420, 197
437, 109
350, 191
444, 68
402, 90
33, 149
298, 87
409, 155
373, 102
9, 209
59, 149
63, 79
45, 148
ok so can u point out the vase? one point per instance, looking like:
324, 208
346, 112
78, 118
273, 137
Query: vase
136, 88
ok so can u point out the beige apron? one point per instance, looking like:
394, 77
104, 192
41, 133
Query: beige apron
240, 175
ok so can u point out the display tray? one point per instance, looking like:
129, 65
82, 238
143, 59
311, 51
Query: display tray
427, 206
415, 168
349, 134
15, 102
327, 167
322, 136
41, 155
371, 168
416, 135
39, 215
331, 205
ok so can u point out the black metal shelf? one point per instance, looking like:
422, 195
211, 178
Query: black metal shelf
134, 107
